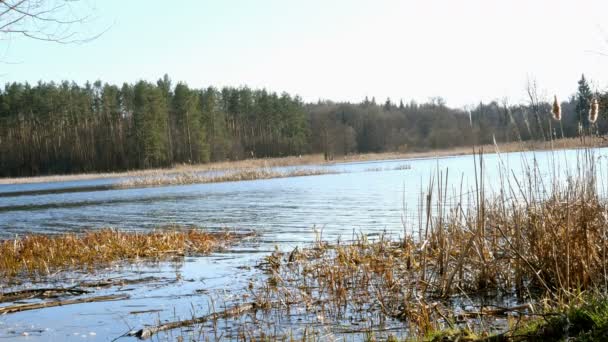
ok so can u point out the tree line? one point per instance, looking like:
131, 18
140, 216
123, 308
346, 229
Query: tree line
58, 128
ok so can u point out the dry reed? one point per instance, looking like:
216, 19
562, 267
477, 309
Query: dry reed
594, 111
532, 244
38, 255
556, 109
240, 175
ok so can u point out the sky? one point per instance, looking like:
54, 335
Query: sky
342, 50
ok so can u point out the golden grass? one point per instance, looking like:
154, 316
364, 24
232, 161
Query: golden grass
560, 250
235, 176
38, 255
316, 159
261, 163
546, 242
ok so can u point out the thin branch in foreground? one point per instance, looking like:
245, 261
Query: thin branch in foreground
146, 333
34, 306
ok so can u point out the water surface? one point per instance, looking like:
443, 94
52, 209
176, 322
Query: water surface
365, 197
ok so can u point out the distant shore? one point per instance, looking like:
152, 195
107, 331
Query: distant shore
318, 159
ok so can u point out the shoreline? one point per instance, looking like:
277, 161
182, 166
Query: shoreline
316, 159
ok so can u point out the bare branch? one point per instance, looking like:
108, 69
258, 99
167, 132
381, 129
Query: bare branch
45, 20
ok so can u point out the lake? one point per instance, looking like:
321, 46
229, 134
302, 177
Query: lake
362, 198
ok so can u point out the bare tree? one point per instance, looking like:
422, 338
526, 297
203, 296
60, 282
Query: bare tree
535, 104
45, 20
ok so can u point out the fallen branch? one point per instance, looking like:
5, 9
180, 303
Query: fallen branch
34, 306
146, 333
120, 282
77, 289
40, 293
495, 312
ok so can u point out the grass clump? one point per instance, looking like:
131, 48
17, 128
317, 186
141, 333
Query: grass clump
39, 255
449, 335
584, 322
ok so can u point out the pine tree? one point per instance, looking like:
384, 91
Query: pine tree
366, 102
150, 125
388, 105
190, 141
583, 100
214, 123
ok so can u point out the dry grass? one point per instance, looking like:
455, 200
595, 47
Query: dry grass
235, 176
262, 163
38, 255
316, 159
394, 168
539, 242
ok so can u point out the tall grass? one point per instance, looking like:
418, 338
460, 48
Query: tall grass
539, 238
39, 255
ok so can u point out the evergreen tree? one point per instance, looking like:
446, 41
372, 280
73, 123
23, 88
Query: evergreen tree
388, 105
190, 144
583, 101
69, 128
366, 102
214, 123
150, 125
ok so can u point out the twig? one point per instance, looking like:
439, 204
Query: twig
496, 312
146, 333
39, 293
34, 306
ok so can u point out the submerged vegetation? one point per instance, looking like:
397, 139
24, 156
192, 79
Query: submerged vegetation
40, 255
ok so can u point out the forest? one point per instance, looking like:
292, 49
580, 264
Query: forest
62, 128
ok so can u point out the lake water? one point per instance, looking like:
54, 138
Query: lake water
369, 198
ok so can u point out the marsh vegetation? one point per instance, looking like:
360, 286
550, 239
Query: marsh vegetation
39, 255
500, 256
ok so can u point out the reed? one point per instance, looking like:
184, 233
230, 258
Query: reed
234, 176
556, 109
38, 255
594, 111
541, 241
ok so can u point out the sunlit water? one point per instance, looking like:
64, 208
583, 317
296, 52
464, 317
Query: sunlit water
368, 198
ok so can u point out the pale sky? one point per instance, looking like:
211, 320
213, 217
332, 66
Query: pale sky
342, 50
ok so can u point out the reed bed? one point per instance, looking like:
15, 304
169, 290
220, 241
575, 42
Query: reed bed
541, 243
234, 176
477, 266
41, 255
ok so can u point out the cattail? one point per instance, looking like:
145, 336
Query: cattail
557, 109
593, 111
